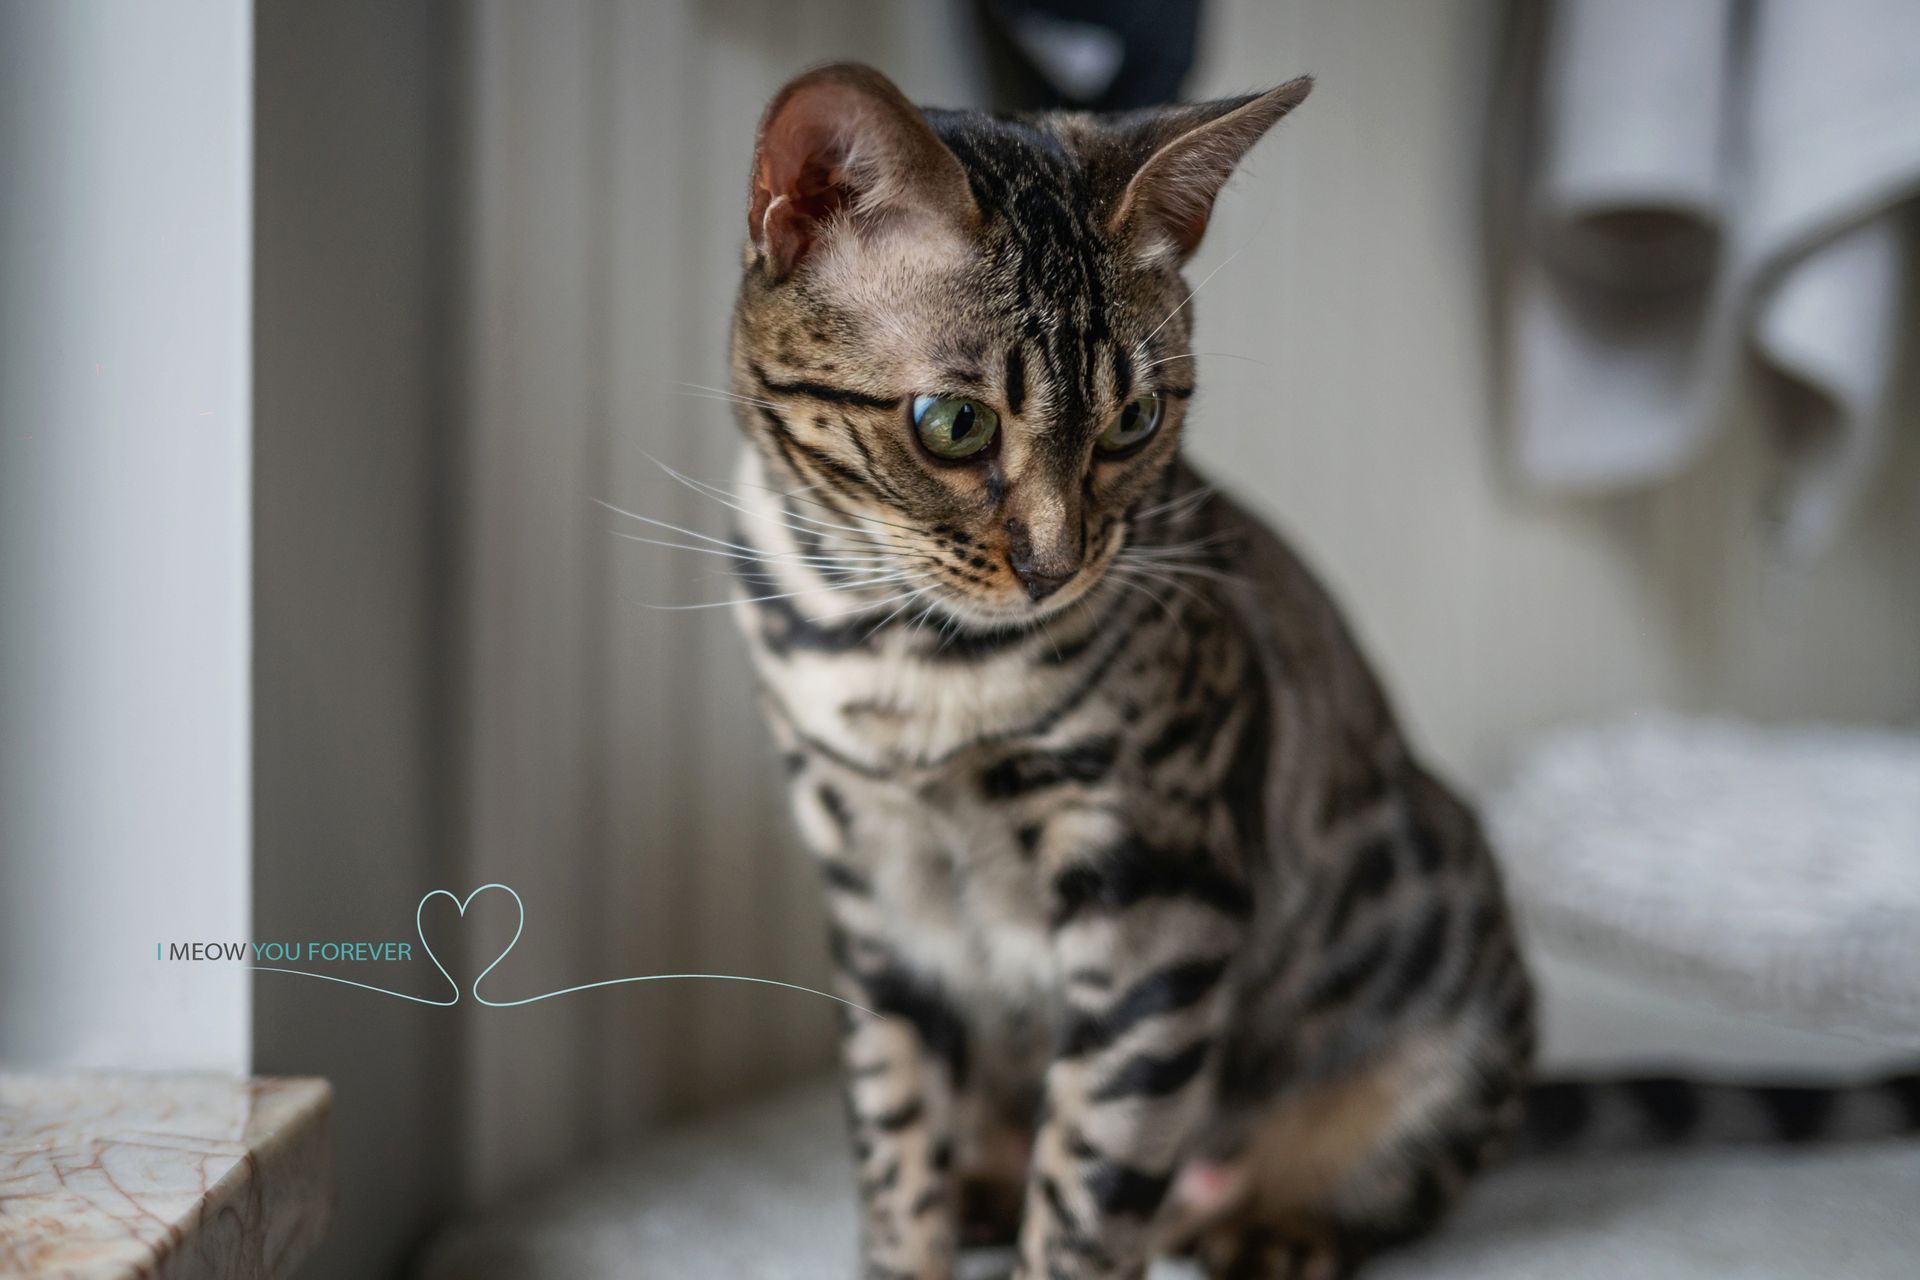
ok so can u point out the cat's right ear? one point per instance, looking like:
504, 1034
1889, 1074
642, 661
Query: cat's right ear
841, 144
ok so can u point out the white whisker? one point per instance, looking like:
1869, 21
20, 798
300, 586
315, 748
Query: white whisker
890, 580
1192, 501
1211, 355
911, 597
1150, 594
1196, 289
721, 393
1161, 574
794, 558
719, 495
795, 495
1164, 549
691, 533
1198, 571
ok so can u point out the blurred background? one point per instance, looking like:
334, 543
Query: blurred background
323, 328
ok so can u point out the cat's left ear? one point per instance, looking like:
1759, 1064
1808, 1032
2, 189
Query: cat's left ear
1169, 199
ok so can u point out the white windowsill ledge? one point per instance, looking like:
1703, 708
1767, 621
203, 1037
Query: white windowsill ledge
104, 1176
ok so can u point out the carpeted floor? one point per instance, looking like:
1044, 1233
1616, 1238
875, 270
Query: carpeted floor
764, 1194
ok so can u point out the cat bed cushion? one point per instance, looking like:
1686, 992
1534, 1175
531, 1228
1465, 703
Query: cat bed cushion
1771, 870
765, 1193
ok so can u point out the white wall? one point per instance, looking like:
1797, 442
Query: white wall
124, 172
1371, 435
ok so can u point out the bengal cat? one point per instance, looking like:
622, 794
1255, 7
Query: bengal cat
1175, 945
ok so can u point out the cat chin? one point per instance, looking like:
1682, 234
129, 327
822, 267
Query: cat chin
981, 616
974, 616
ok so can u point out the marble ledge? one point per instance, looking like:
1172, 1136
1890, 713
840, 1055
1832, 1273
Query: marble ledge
162, 1177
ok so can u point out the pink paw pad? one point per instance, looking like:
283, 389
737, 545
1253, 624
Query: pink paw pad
1206, 1185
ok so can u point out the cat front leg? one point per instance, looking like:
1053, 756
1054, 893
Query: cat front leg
904, 1064
904, 1050
1145, 940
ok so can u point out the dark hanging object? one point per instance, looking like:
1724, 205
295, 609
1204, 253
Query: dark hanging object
1099, 55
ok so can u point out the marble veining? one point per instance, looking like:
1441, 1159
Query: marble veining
175, 1177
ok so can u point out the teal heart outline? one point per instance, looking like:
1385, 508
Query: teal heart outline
460, 905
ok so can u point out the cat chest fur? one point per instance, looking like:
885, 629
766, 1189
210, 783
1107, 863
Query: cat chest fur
907, 785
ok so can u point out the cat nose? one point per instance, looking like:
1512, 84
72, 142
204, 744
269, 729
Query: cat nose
1039, 585
1041, 573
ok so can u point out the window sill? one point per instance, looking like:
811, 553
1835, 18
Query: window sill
183, 1176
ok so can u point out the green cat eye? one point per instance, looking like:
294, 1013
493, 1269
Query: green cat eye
953, 428
1132, 425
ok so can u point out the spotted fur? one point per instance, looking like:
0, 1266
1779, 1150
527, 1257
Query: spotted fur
1173, 942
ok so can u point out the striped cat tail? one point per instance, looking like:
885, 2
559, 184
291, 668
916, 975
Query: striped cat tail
1575, 1115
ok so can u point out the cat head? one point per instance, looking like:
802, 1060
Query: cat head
969, 332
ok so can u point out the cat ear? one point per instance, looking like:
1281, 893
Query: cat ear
1170, 197
838, 141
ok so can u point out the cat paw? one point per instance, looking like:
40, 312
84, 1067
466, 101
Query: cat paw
1251, 1252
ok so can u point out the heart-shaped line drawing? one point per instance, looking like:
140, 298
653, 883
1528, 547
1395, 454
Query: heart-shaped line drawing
461, 904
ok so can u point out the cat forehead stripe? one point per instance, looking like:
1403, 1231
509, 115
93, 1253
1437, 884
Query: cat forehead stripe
823, 391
